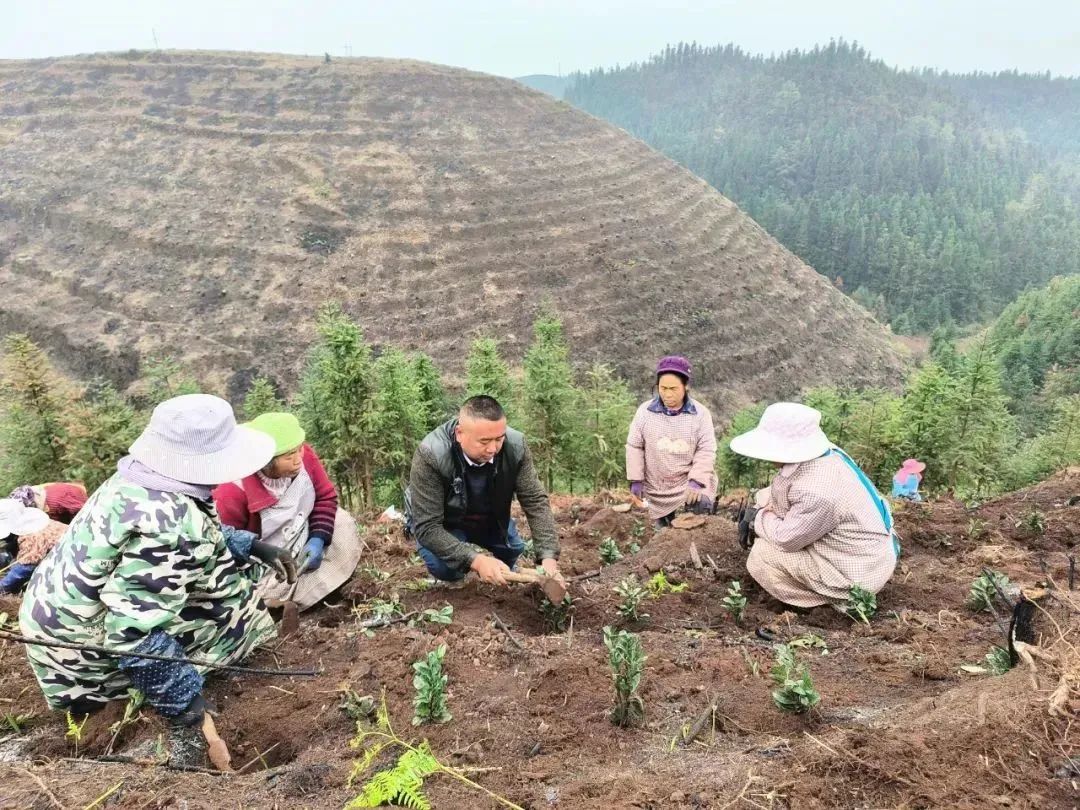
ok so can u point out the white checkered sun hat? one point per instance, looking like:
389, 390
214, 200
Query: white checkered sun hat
195, 439
788, 433
17, 519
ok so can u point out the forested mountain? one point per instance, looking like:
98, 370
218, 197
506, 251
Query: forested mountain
918, 193
546, 83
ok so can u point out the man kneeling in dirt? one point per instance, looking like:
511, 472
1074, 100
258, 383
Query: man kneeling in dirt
820, 526
464, 476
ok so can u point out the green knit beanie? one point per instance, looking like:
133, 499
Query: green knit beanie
283, 428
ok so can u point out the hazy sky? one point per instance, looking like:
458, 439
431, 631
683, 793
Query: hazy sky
516, 37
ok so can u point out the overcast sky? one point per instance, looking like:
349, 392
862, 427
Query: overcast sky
516, 37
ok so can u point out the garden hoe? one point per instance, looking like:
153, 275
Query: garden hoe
554, 589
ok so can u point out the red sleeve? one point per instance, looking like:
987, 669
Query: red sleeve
324, 512
232, 507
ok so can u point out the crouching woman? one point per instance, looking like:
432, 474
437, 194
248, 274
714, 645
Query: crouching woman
145, 568
820, 527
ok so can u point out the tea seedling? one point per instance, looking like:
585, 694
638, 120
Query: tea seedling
443, 615
984, 590
356, 706
374, 573
976, 529
735, 602
430, 682
131, 712
1034, 522
659, 585
557, 616
632, 595
627, 662
795, 691
999, 660
861, 605
609, 551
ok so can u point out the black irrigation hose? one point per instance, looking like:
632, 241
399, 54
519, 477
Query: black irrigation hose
64, 645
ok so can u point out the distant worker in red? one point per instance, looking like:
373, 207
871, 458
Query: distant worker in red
32, 521
671, 447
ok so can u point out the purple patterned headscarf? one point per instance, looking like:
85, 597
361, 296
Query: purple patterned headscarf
24, 494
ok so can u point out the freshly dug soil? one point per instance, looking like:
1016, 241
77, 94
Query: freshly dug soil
899, 725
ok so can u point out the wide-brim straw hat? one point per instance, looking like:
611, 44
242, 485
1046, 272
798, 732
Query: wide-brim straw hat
18, 519
788, 433
195, 439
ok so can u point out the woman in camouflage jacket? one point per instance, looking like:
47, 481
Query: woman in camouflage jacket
146, 567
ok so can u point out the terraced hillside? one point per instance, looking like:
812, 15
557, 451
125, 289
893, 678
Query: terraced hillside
205, 204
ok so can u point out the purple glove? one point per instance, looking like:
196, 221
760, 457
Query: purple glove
695, 485
637, 489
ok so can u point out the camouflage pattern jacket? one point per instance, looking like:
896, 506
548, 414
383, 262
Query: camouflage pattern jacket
135, 562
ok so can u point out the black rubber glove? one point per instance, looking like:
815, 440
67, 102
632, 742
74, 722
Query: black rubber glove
277, 559
746, 527
192, 716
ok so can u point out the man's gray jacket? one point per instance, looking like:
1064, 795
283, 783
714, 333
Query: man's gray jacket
437, 497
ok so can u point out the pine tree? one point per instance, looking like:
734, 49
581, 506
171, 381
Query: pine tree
486, 373
608, 410
924, 420
550, 401
165, 379
261, 398
398, 417
335, 405
735, 470
34, 414
434, 402
981, 426
101, 427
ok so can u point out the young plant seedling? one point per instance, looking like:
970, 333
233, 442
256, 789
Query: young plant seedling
984, 591
374, 573
1034, 521
131, 714
609, 551
659, 585
627, 662
735, 602
430, 682
557, 615
16, 721
976, 529
443, 615
356, 706
632, 595
861, 605
74, 730
795, 691
998, 660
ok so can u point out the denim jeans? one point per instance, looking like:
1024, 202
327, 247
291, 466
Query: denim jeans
507, 549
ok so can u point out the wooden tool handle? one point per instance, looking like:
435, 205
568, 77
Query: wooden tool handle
216, 748
524, 576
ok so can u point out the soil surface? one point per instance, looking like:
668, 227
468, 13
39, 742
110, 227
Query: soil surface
205, 205
899, 724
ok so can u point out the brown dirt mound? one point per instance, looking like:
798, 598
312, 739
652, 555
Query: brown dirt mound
208, 203
899, 725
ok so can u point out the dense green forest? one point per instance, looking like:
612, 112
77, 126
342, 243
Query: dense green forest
1002, 413
930, 198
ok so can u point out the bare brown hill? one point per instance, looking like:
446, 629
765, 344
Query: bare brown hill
205, 204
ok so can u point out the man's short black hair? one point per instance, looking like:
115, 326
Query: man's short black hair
483, 407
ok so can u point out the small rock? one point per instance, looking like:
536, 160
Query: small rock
677, 797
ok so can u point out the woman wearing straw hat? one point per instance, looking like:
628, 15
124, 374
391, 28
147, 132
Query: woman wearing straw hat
291, 503
671, 447
145, 567
905, 484
29, 534
820, 526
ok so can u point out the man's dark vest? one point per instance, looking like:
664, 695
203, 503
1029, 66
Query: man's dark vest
443, 448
